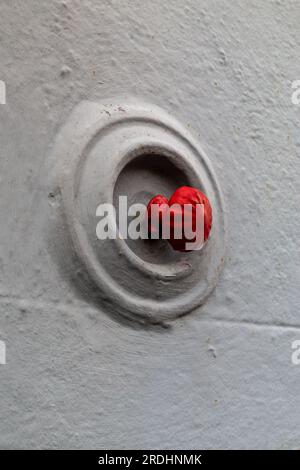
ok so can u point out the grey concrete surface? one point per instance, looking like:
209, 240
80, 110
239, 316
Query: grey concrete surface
222, 377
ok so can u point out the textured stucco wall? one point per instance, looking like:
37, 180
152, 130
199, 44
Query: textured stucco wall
221, 377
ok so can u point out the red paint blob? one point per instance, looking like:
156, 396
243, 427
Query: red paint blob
185, 195
157, 203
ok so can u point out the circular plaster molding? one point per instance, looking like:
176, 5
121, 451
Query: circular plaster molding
133, 149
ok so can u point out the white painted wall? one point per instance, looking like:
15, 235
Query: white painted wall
221, 377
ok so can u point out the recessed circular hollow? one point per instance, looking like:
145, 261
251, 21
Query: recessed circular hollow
136, 150
144, 176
